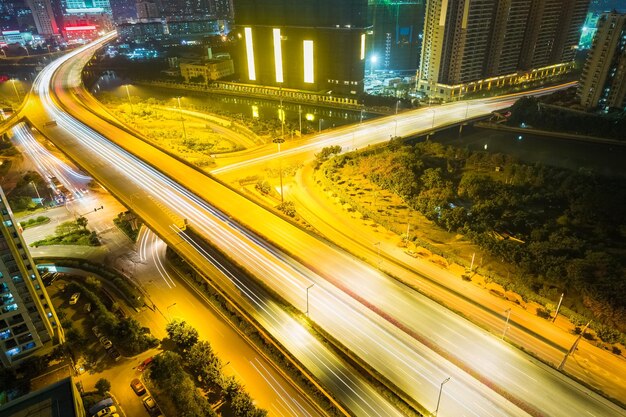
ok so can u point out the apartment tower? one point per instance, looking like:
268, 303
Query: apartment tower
482, 42
27, 318
603, 81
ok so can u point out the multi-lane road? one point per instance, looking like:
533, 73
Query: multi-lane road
357, 305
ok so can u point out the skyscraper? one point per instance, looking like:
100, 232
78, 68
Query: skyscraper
481, 41
603, 80
313, 45
44, 17
397, 27
27, 317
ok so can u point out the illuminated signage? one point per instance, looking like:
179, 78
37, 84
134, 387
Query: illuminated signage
250, 54
308, 62
362, 46
278, 56
77, 28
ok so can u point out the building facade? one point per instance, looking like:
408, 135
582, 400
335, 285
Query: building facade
312, 45
27, 318
466, 41
603, 80
396, 39
210, 70
44, 18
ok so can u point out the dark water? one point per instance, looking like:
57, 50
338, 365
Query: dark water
566, 153
235, 106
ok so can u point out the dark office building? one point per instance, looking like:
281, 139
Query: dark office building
313, 45
396, 39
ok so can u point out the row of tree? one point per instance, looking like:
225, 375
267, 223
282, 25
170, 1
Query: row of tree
173, 372
561, 228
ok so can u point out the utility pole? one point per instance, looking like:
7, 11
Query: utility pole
573, 348
472, 264
129, 100
182, 119
300, 117
278, 141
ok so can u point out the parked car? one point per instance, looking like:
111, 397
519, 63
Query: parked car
150, 404
106, 342
106, 411
145, 364
87, 308
96, 331
74, 298
115, 354
137, 386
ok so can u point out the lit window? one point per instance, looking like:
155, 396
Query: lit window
278, 56
308, 62
250, 54
12, 352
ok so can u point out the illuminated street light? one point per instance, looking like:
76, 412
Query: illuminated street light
129, 100
506, 325
19, 98
278, 141
169, 318
37, 192
182, 119
439, 397
307, 298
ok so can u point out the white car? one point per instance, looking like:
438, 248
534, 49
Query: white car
106, 342
74, 298
106, 411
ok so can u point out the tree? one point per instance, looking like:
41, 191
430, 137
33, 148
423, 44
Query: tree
103, 386
182, 334
82, 222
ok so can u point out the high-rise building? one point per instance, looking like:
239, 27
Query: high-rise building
312, 45
223, 9
86, 6
603, 81
123, 10
396, 40
147, 10
27, 317
482, 41
44, 17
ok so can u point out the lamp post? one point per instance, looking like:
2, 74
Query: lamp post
278, 141
37, 192
439, 397
307, 298
300, 117
506, 324
19, 98
169, 317
182, 119
129, 100
320, 125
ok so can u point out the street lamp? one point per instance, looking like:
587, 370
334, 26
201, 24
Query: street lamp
307, 298
278, 141
129, 100
182, 119
37, 192
169, 317
439, 397
320, 125
15, 89
506, 325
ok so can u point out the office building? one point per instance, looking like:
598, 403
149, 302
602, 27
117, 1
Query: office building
141, 31
89, 6
396, 39
479, 44
203, 72
57, 399
44, 18
147, 10
27, 318
312, 45
223, 9
603, 81
123, 10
